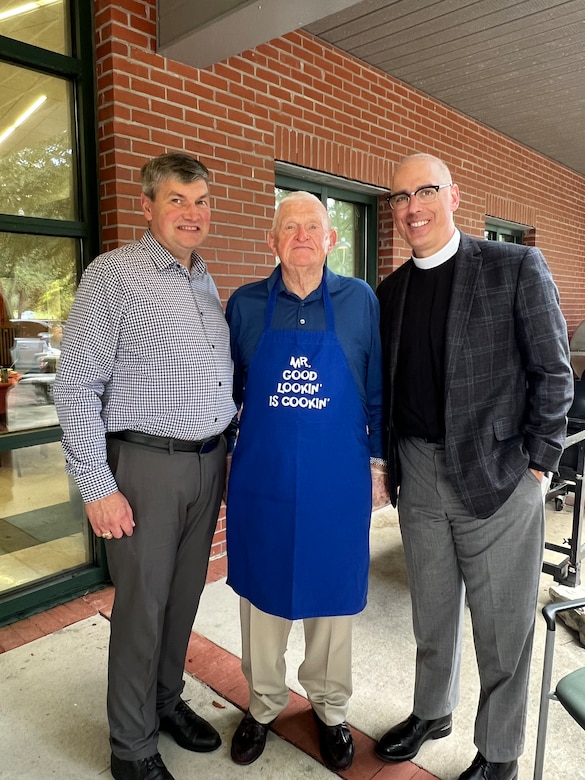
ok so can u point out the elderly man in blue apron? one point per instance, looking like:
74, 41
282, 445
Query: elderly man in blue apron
307, 468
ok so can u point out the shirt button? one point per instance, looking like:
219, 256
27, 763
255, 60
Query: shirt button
302, 321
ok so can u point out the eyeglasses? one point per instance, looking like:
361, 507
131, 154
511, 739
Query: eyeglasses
426, 194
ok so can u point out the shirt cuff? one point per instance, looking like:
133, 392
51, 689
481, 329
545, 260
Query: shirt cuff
96, 485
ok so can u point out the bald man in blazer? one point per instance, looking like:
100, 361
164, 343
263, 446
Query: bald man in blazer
478, 384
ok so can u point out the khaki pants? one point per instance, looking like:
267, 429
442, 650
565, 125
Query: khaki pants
325, 674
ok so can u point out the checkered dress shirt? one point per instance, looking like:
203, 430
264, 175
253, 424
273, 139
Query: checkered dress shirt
146, 348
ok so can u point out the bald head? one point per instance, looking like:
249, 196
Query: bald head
424, 159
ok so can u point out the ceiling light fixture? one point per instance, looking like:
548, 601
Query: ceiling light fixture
23, 117
24, 9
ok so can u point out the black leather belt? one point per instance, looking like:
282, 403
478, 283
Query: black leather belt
165, 443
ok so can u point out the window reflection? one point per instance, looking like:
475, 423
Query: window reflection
36, 166
44, 155
42, 525
38, 22
37, 286
344, 218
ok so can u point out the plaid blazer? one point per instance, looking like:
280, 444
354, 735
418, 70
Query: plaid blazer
508, 380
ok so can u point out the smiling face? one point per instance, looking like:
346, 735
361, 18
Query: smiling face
426, 227
301, 237
179, 216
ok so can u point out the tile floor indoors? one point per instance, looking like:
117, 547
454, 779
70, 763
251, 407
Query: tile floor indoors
53, 685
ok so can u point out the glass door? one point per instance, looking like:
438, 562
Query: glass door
48, 226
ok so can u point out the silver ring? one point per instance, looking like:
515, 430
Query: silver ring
107, 535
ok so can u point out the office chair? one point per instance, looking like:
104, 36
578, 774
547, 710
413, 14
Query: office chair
570, 689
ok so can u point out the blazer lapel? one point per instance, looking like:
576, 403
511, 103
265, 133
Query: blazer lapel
396, 313
468, 261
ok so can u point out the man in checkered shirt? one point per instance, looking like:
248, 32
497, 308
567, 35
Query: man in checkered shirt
144, 394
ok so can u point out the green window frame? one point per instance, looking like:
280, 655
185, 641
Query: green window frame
77, 70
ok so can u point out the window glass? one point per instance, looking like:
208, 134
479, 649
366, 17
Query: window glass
37, 286
36, 165
48, 159
506, 234
344, 219
280, 193
43, 530
38, 22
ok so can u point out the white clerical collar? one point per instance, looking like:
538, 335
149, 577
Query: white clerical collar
441, 256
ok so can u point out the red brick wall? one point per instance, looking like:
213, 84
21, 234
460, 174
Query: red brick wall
302, 101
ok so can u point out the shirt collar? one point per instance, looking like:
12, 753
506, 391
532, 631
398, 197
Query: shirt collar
164, 259
276, 276
440, 257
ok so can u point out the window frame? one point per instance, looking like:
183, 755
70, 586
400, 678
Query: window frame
503, 227
79, 70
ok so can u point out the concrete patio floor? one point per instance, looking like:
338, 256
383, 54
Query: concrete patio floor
53, 688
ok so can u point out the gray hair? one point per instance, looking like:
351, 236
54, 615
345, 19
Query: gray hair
173, 165
299, 195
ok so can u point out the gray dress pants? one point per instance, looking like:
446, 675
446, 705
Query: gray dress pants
159, 573
497, 561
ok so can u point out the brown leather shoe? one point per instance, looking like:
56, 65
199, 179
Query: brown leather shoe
335, 744
249, 740
481, 769
189, 730
402, 742
151, 768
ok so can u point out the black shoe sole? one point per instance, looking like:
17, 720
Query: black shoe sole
443, 732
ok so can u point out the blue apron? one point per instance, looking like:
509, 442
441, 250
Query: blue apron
299, 495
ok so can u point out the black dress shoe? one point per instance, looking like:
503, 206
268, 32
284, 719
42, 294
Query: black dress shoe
151, 768
335, 744
402, 742
189, 730
481, 769
249, 740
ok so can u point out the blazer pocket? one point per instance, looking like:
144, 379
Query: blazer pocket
505, 428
